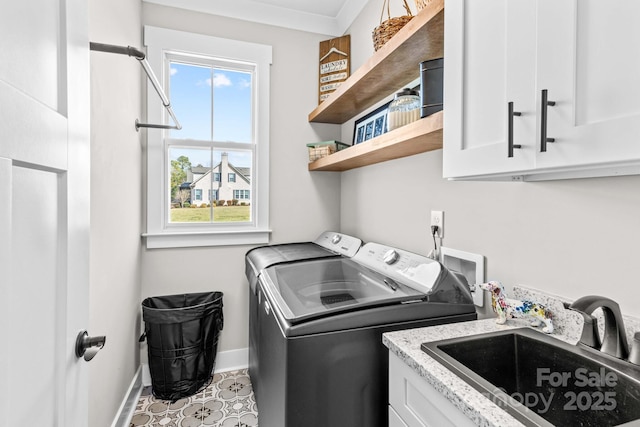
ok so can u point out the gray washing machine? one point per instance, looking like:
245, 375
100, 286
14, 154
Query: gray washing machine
327, 245
321, 361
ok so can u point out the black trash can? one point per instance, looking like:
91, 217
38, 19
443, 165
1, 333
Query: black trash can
182, 339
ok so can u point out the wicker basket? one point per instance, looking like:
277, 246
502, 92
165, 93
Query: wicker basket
387, 29
421, 4
318, 150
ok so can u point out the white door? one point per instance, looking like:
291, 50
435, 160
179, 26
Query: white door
44, 211
489, 63
590, 64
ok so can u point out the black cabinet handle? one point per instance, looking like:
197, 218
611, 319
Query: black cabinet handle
543, 122
511, 145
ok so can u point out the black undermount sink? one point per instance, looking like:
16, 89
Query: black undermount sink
543, 381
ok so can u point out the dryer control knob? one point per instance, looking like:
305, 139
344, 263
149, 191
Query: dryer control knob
391, 256
336, 239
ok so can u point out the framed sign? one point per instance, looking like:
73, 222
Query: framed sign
335, 65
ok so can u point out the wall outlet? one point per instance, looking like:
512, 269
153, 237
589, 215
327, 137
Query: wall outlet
437, 218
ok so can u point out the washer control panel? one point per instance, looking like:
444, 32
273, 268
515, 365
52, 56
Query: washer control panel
339, 243
416, 271
391, 256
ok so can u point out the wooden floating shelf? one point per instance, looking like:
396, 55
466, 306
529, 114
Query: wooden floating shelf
417, 137
394, 65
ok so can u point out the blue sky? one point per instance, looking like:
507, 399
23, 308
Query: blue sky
196, 91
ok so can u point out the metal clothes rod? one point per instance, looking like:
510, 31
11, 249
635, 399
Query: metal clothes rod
140, 56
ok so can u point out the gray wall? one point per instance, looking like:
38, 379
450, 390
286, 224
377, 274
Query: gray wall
116, 205
543, 235
302, 205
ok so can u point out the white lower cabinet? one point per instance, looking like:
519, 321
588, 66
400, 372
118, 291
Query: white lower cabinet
415, 403
395, 420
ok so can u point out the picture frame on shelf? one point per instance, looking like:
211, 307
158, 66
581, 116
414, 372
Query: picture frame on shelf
371, 125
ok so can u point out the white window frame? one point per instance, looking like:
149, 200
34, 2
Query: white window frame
161, 233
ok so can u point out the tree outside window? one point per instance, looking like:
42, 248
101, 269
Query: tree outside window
179, 192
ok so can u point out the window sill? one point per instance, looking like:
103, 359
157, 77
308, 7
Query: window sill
206, 238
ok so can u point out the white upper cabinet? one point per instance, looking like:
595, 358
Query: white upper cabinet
582, 53
589, 61
489, 62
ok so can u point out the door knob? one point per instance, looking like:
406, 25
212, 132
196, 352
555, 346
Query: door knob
87, 346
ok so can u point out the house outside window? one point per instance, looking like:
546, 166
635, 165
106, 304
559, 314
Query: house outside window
219, 90
224, 192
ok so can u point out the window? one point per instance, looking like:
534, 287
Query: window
219, 91
241, 194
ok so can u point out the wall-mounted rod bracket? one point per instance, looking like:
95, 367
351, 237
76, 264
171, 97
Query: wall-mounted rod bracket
141, 57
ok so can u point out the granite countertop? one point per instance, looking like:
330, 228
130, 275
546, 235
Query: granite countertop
406, 345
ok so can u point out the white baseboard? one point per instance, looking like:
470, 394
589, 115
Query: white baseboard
128, 406
230, 360
146, 375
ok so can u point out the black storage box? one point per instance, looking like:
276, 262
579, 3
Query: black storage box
182, 339
431, 78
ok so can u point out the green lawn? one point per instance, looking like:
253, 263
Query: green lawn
220, 214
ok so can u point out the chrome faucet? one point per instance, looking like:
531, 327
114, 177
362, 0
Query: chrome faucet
614, 341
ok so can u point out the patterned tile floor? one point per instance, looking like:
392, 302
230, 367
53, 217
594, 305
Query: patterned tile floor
227, 402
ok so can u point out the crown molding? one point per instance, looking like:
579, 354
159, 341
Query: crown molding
249, 10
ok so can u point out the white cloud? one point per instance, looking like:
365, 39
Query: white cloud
173, 71
206, 82
220, 80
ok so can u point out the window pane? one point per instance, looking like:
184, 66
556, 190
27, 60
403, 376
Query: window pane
202, 193
237, 164
232, 112
190, 182
190, 97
